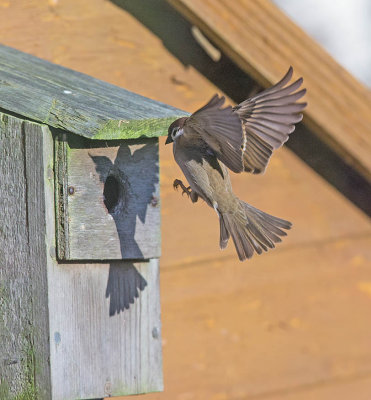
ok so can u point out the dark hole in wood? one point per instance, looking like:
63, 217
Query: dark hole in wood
111, 193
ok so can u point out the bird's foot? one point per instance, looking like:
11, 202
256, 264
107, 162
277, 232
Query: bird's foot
187, 190
178, 182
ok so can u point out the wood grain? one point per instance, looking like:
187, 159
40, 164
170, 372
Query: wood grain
339, 390
105, 329
24, 328
67, 330
105, 326
264, 42
77, 103
110, 199
278, 326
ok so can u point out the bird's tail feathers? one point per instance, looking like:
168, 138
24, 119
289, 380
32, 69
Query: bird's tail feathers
252, 230
224, 233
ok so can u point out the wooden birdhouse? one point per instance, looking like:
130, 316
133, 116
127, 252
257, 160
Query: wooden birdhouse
79, 234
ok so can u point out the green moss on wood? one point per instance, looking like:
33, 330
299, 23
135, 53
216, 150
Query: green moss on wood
28, 360
28, 388
132, 129
78, 103
4, 391
29, 391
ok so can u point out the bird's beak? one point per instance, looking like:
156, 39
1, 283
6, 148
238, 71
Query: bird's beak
169, 140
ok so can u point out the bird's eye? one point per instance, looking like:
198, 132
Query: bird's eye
173, 132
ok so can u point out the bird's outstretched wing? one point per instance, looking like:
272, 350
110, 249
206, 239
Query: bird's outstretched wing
267, 119
221, 130
244, 137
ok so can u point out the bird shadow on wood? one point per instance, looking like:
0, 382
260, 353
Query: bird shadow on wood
127, 193
123, 286
176, 35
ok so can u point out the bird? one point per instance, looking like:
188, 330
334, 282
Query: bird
215, 139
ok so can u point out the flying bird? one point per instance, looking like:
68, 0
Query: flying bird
241, 138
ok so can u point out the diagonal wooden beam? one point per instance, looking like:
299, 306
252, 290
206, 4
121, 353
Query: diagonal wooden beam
263, 41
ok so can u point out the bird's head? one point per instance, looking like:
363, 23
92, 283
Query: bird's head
175, 130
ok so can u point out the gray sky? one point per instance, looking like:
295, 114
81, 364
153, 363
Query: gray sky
343, 27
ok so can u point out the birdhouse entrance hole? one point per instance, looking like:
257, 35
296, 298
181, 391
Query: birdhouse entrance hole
111, 193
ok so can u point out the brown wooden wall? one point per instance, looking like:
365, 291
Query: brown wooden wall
292, 324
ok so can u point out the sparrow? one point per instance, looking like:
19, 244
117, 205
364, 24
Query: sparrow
241, 138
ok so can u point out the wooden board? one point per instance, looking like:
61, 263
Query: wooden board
105, 329
77, 103
104, 323
339, 390
109, 194
24, 328
264, 42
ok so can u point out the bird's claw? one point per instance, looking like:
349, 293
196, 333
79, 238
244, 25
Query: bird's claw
177, 183
187, 190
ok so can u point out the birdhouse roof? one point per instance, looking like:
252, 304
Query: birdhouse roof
62, 98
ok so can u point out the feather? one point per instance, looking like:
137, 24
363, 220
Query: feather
269, 116
244, 137
224, 234
221, 129
253, 230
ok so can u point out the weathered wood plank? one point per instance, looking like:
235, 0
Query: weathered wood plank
263, 42
62, 98
105, 329
24, 331
105, 326
109, 200
34, 137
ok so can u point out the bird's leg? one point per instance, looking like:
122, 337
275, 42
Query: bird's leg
194, 196
177, 183
190, 193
